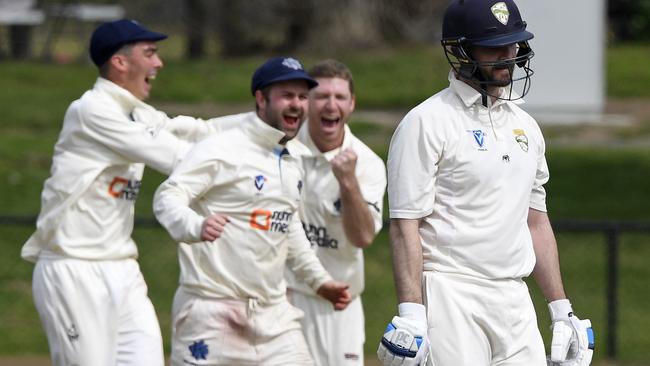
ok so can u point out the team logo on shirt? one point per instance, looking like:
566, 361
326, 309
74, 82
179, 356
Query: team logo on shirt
520, 137
318, 236
479, 138
72, 333
267, 220
259, 182
500, 11
127, 189
300, 186
199, 350
337, 205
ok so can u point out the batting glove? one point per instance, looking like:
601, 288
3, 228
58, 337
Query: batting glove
573, 339
405, 341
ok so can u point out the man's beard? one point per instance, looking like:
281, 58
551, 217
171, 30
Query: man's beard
489, 80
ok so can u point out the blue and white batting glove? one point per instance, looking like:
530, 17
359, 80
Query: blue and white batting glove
405, 341
573, 339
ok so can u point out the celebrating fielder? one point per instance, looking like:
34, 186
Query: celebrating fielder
87, 285
341, 214
233, 205
466, 170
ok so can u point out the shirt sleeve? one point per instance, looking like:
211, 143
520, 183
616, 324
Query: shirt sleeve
174, 197
135, 141
538, 194
302, 260
186, 128
372, 182
412, 166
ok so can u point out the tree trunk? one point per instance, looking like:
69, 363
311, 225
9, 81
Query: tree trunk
195, 27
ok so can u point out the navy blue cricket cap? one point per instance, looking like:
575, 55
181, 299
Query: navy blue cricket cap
110, 37
280, 69
487, 23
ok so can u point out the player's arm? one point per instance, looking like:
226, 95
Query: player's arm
573, 339
174, 196
304, 263
136, 142
358, 223
547, 267
407, 259
186, 128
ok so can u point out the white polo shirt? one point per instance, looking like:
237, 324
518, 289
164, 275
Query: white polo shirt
241, 172
321, 209
471, 173
87, 203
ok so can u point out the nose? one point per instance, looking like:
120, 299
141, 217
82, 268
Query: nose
158, 62
508, 51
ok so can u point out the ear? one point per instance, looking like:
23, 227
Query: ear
260, 100
353, 104
119, 62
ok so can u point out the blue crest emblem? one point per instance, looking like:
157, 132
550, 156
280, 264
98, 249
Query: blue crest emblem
300, 186
479, 137
259, 182
199, 350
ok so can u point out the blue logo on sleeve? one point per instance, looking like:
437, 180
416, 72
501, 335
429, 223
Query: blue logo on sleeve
199, 350
259, 182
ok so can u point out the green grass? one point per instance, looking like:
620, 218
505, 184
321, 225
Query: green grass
586, 183
627, 72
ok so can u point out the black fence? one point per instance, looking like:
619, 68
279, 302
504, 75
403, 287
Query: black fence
612, 231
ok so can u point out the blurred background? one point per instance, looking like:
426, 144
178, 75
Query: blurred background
590, 94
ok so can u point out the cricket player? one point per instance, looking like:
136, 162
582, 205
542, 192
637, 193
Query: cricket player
343, 195
466, 170
87, 285
233, 206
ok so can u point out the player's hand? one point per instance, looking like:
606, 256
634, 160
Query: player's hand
335, 292
213, 226
573, 339
405, 341
344, 164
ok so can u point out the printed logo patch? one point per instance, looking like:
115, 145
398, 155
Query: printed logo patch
292, 63
479, 138
300, 186
267, 220
199, 350
500, 11
259, 182
521, 138
318, 236
124, 188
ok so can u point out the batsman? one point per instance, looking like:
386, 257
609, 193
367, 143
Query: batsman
466, 175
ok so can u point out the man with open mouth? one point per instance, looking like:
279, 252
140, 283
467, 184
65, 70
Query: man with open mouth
341, 214
87, 285
233, 207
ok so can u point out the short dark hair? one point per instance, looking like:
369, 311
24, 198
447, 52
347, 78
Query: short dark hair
332, 69
127, 50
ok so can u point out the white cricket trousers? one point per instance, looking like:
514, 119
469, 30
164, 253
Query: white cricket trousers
234, 332
480, 322
96, 313
335, 338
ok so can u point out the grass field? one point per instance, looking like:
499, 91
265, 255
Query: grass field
596, 182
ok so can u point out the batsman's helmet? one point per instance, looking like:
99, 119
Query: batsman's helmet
486, 23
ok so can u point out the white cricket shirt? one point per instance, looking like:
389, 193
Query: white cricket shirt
321, 209
87, 203
471, 173
244, 173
